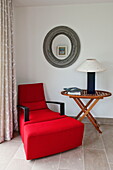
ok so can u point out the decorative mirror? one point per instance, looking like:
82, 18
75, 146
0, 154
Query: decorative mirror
61, 46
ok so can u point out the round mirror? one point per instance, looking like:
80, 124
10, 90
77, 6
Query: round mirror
61, 46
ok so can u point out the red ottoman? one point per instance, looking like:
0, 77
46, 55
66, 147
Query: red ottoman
52, 136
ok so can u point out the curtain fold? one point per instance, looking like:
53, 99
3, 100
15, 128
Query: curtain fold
8, 94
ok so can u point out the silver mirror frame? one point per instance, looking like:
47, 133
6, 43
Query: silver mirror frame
75, 46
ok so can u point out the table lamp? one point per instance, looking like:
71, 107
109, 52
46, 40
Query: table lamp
91, 66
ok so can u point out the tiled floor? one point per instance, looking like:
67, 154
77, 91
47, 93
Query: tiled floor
95, 154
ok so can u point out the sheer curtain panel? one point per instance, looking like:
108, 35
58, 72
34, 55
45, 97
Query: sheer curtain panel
8, 95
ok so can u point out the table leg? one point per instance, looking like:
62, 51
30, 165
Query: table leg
94, 123
84, 106
87, 111
93, 118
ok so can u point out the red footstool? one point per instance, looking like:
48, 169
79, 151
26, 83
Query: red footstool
51, 137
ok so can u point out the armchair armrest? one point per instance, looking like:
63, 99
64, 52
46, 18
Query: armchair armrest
26, 112
62, 106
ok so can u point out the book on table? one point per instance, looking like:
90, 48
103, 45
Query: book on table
73, 91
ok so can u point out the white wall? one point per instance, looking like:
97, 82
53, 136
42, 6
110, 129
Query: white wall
94, 25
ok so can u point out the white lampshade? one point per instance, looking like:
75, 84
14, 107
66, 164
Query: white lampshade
91, 65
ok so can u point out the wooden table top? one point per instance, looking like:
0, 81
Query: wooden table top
98, 94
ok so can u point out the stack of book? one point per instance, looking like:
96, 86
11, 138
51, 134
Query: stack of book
73, 91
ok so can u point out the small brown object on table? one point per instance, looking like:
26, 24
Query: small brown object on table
94, 98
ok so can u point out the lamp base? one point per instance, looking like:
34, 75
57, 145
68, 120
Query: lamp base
91, 82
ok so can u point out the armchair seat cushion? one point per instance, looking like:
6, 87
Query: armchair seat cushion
43, 115
51, 137
38, 116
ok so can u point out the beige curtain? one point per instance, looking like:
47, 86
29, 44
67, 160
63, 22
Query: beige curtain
8, 112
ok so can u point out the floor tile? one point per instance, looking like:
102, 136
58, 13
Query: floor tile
20, 164
95, 160
67, 169
106, 129
7, 151
47, 163
20, 154
107, 137
101, 121
92, 138
16, 137
95, 154
72, 159
111, 166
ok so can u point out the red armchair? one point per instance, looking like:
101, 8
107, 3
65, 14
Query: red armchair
43, 131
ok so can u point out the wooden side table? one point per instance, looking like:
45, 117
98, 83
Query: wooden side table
86, 108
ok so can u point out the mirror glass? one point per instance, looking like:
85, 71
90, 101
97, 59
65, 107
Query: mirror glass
61, 41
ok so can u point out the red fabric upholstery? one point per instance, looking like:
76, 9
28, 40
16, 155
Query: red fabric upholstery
38, 116
43, 115
30, 93
47, 132
36, 105
51, 137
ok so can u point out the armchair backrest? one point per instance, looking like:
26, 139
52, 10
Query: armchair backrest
32, 96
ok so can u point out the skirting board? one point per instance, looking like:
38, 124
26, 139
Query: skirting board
100, 120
